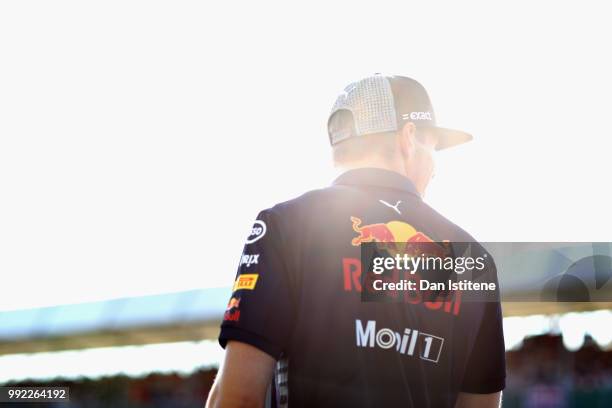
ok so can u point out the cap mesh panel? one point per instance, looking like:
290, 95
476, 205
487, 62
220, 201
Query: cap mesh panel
371, 102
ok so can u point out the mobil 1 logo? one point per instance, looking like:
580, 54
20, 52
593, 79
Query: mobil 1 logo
410, 342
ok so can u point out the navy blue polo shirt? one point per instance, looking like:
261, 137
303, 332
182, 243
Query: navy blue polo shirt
297, 297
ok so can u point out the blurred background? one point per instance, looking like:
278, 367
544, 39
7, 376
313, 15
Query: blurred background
161, 351
139, 139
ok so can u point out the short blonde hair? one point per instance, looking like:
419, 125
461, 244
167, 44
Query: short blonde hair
362, 147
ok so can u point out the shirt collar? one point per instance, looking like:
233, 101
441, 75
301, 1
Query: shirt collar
377, 177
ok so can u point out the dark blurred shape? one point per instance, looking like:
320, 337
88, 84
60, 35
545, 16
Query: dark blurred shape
152, 391
565, 288
580, 282
543, 373
596, 270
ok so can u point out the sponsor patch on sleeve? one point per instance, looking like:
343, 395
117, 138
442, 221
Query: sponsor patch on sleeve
246, 281
257, 232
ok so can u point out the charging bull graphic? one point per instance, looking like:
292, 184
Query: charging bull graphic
400, 238
393, 231
390, 232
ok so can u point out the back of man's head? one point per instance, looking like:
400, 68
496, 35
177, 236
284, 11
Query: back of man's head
388, 122
374, 148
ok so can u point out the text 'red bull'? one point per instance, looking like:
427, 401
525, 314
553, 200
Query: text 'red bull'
352, 270
401, 237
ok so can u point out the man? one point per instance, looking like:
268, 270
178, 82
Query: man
296, 331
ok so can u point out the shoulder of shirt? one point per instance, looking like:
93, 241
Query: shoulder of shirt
304, 203
309, 201
459, 234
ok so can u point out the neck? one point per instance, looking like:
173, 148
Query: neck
396, 167
372, 164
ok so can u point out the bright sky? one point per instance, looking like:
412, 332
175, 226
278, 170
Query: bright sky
139, 139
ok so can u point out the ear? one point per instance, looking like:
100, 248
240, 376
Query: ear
406, 139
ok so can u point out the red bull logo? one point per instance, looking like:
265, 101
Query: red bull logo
232, 313
399, 236
393, 231
393, 234
233, 303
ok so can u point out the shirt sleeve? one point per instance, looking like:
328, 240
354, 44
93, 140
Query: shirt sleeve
486, 369
260, 309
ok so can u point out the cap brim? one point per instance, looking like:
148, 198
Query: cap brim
450, 137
